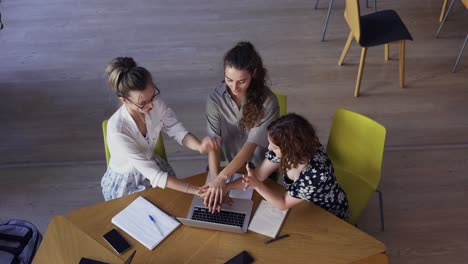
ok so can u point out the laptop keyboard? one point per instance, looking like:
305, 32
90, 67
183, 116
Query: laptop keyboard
223, 217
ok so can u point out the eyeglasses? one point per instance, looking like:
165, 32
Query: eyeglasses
145, 105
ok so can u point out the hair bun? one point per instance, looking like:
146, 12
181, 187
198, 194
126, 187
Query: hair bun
245, 44
117, 68
124, 63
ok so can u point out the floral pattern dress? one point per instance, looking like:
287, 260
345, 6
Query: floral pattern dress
317, 184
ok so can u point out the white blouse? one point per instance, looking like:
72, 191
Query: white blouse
130, 150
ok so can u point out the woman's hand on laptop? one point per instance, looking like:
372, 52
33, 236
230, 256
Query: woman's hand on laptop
216, 190
201, 192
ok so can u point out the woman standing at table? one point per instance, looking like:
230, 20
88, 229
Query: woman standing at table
306, 169
133, 130
238, 112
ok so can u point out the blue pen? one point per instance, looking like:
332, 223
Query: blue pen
156, 224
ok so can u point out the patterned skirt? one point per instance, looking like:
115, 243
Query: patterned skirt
115, 185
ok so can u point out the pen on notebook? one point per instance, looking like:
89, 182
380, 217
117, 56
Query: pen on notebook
156, 224
276, 238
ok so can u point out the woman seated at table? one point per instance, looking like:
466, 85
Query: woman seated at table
133, 130
307, 171
238, 112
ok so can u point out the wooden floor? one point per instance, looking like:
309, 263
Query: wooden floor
52, 59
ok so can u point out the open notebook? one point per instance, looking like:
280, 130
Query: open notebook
267, 219
135, 221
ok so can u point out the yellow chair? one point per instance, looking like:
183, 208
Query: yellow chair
379, 28
282, 103
355, 147
159, 150
283, 110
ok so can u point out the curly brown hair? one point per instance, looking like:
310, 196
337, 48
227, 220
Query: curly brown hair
243, 56
296, 138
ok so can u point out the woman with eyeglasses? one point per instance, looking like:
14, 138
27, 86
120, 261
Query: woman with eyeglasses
238, 112
132, 133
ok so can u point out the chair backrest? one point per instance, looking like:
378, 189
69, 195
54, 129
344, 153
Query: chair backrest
355, 147
282, 102
352, 17
159, 150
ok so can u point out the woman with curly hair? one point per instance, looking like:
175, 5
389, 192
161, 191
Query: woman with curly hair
306, 169
238, 112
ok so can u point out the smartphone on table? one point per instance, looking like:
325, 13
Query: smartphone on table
117, 241
242, 258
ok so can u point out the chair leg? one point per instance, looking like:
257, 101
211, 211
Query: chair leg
382, 224
402, 64
316, 4
459, 55
361, 69
386, 50
326, 20
445, 18
367, 3
346, 48
442, 12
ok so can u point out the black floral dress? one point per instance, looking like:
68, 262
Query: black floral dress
317, 184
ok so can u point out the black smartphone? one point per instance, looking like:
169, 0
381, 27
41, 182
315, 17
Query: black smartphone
117, 241
91, 261
242, 258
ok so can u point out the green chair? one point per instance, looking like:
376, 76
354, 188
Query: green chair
282, 102
355, 147
159, 150
283, 110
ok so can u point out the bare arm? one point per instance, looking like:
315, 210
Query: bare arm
266, 169
213, 162
182, 186
240, 159
281, 201
216, 189
191, 142
206, 145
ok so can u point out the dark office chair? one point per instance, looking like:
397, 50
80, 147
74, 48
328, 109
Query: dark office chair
330, 4
374, 29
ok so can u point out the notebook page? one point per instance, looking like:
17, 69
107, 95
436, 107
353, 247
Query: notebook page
267, 219
134, 220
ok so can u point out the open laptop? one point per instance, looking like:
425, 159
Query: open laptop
233, 218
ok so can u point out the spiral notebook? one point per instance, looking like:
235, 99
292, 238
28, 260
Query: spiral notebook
135, 221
